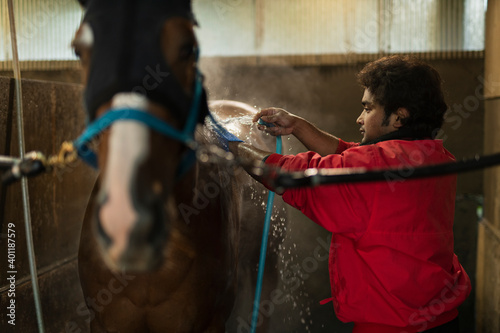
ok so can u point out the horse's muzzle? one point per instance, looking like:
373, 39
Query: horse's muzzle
144, 243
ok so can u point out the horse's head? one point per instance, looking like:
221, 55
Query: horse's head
139, 59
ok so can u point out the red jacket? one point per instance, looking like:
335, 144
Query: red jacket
392, 266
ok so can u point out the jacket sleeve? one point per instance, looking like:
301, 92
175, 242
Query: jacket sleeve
342, 208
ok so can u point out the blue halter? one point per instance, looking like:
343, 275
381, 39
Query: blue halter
185, 136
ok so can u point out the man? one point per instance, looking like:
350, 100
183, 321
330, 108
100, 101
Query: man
392, 266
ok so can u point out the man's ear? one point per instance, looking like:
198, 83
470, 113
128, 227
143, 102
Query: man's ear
401, 115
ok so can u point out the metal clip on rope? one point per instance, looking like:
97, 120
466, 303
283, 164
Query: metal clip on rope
67, 155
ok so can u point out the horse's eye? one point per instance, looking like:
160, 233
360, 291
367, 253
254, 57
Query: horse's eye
187, 51
78, 52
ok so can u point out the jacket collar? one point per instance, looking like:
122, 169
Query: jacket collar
401, 134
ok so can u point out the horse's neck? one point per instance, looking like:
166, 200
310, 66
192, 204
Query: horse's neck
207, 187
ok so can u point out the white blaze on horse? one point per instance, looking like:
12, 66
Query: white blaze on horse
164, 235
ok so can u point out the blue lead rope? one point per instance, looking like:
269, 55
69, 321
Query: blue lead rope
263, 246
130, 115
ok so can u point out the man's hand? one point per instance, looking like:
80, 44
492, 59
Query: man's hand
283, 120
286, 123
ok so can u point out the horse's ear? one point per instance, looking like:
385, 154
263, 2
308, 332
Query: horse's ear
83, 3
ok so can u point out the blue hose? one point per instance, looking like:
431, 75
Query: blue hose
263, 246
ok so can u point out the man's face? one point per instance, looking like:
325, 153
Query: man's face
371, 120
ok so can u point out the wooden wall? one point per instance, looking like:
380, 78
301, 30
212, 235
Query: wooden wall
52, 114
488, 269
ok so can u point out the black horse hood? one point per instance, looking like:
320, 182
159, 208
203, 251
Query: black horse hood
127, 56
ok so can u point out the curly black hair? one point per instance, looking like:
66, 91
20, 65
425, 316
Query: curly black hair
401, 81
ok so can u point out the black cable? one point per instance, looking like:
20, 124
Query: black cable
317, 177
32, 166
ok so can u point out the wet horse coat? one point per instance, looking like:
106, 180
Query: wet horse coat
159, 252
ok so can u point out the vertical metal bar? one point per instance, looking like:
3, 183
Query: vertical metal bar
409, 32
455, 7
381, 24
449, 27
24, 181
403, 9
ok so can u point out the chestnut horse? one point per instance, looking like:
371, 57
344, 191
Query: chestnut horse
163, 240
